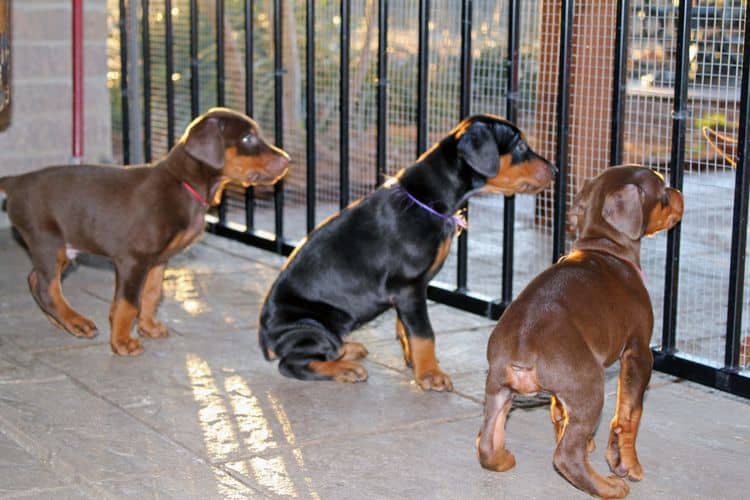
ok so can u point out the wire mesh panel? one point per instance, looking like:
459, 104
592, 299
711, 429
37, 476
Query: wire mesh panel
713, 97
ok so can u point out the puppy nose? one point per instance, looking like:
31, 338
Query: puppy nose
676, 201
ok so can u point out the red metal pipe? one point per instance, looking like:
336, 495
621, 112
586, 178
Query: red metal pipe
77, 56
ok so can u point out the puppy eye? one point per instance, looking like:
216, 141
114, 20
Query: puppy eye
247, 140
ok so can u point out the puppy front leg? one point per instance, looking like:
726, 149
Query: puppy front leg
635, 373
129, 277
148, 325
412, 313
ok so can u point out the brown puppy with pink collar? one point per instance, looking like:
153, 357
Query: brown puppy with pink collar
578, 317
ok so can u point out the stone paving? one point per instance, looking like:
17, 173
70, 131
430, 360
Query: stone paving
202, 415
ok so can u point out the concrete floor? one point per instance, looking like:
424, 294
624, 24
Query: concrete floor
202, 415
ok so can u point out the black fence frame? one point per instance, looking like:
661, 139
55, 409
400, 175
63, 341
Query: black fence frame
666, 358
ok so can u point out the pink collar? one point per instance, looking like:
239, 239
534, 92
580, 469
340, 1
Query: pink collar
195, 194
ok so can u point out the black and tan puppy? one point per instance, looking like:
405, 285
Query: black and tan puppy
137, 216
578, 317
382, 251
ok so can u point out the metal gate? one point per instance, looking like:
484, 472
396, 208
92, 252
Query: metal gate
355, 89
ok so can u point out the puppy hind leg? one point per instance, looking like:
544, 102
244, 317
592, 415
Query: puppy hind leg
308, 353
50, 261
571, 455
635, 373
559, 419
352, 351
491, 440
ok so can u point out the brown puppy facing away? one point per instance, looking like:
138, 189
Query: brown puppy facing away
578, 317
137, 216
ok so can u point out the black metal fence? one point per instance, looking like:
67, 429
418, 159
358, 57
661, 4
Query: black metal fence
593, 84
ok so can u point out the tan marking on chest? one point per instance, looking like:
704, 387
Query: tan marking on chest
185, 238
440, 255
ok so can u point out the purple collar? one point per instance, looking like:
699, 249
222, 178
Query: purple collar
453, 218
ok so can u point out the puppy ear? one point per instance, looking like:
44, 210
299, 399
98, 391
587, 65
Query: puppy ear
204, 141
578, 207
623, 210
477, 147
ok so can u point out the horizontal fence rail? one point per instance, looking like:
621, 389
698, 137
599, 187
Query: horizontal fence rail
353, 89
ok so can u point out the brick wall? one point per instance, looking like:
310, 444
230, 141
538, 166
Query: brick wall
36, 130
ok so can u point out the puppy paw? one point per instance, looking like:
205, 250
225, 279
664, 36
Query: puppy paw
352, 351
351, 373
80, 327
152, 328
623, 461
614, 487
633, 470
500, 461
130, 347
340, 370
434, 380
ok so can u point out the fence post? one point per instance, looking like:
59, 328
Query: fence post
511, 113
679, 119
382, 139
249, 108
344, 104
561, 139
310, 183
739, 217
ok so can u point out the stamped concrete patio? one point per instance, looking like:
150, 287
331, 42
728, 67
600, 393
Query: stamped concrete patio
202, 415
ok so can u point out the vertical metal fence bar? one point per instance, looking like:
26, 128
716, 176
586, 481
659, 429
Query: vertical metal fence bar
278, 90
344, 104
146, 55
462, 260
679, 120
567, 8
422, 74
123, 25
620, 63
220, 78
739, 218
310, 114
223, 204
511, 111
382, 124
168, 46
249, 109
194, 78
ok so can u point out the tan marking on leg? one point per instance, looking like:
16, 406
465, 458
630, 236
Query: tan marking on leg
401, 335
427, 372
123, 314
560, 421
559, 418
340, 370
148, 325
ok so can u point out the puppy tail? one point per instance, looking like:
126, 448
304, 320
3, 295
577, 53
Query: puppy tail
298, 345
